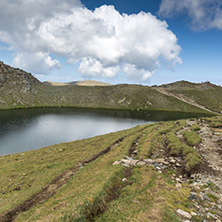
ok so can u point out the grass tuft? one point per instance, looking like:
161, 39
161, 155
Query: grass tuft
195, 127
178, 148
192, 138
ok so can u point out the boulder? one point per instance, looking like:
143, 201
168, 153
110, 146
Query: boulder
141, 163
149, 161
116, 162
162, 161
184, 214
129, 162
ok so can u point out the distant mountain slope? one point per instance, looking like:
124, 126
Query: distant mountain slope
78, 83
51, 83
19, 89
203, 95
187, 85
89, 83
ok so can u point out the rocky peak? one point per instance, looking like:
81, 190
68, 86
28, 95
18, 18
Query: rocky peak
16, 76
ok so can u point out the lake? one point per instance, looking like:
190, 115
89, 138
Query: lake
27, 129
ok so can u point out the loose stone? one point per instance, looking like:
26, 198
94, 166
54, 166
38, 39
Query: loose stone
184, 214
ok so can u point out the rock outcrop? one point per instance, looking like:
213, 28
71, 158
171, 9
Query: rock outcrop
10, 75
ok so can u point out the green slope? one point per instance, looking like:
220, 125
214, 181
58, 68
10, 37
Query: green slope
206, 94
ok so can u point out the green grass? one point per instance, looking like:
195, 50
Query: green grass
178, 148
212, 197
192, 138
102, 97
84, 187
168, 215
111, 191
209, 97
216, 124
32, 170
158, 139
140, 202
195, 127
97, 192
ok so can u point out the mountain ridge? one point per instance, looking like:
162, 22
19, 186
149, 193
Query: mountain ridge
19, 89
79, 83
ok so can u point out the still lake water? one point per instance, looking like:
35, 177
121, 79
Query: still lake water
28, 129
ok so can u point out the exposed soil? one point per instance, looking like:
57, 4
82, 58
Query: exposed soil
134, 147
210, 150
115, 144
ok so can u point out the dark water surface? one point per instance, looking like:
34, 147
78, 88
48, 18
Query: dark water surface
27, 129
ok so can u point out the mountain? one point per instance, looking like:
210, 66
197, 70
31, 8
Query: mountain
78, 83
203, 95
89, 83
19, 89
50, 83
167, 171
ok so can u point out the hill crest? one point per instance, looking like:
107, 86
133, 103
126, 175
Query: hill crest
78, 83
185, 85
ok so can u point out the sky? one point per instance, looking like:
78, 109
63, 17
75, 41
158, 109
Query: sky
147, 42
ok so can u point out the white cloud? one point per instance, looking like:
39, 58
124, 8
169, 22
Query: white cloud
102, 42
134, 73
204, 14
93, 67
37, 62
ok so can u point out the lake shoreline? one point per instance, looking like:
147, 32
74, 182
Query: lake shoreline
31, 128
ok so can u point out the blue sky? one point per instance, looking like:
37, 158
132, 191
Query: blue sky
197, 28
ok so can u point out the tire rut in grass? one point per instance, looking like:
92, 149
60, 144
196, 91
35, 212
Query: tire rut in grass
134, 147
51, 189
112, 192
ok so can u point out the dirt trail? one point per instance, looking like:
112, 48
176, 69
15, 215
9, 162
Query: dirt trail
51, 189
184, 99
210, 150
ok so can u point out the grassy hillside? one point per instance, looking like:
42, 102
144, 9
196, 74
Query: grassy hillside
147, 173
20, 89
206, 94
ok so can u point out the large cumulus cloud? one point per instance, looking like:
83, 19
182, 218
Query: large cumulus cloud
204, 14
101, 42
